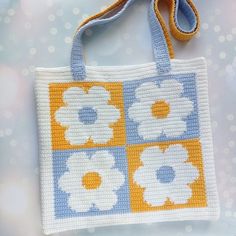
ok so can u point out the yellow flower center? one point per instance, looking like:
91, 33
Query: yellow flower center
91, 180
160, 109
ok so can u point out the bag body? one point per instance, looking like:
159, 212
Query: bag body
125, 144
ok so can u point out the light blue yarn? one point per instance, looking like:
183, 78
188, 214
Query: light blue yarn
187, 11
165, 174
87, 115
160, 48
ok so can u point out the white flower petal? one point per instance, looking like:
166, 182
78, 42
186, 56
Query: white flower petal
155, 195
77, 134
171, 88
148, 91
150, 129
107, 114
113, 179
180, 107
101, 133
140, 111
174, 127
102, 160
185, 173
98, 95
105, 200
64, 182
73, 96
145, 177
79, 202
176, 154
71, 182
152, 157
67, 116
78, 163
180, 194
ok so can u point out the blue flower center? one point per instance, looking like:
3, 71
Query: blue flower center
165, 174
87, 115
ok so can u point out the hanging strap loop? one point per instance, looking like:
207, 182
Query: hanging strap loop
180, 32
189, 11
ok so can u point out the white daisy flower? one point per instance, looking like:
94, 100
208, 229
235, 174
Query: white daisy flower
87, 115
160, 109
166, 175
91, 181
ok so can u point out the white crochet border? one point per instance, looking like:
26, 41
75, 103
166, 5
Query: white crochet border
121, 73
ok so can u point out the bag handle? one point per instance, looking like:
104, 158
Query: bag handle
112, 8
160, 49
159, 43
186, 7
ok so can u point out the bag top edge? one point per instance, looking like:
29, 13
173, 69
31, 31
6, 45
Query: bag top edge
111, 68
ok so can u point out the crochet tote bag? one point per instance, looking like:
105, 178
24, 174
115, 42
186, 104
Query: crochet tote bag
126, 144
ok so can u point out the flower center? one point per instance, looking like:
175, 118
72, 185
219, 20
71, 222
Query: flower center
91, 180
160, 109
165, 174
87, 115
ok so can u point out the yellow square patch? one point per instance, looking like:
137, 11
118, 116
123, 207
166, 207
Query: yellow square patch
137, 192
58, 131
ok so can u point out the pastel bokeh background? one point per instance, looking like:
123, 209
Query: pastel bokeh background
39, 33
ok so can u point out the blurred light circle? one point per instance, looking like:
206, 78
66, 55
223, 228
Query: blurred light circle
9, 86
11, 12
76, 11
53, 31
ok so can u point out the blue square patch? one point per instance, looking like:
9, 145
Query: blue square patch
90, 182
161, 108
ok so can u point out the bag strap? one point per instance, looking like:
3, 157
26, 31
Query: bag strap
186, 7
112, 8
102, 13
160, 49
158, 32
